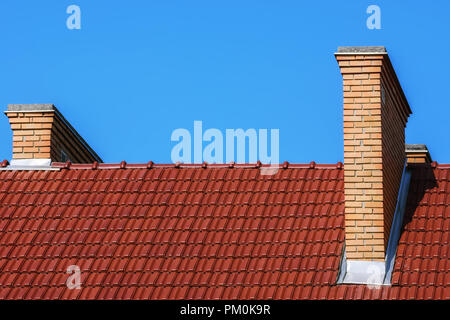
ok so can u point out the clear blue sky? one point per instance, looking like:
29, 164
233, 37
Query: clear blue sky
137, 70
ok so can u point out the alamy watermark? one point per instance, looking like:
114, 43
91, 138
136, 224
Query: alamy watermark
376, 276
374, 20
74, 20
74, 280
231, 149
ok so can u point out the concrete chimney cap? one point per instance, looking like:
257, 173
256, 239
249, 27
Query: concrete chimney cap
362, 50
31, 107
416, 148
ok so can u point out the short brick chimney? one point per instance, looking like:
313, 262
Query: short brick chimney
41, 135
375, 116
417, 153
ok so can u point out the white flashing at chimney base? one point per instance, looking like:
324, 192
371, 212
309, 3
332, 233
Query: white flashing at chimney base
365, 272
379, 272
30, 164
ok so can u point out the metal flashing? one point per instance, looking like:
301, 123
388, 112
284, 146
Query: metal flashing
342, 268
378, 272
30, 164
365, 272
397, 223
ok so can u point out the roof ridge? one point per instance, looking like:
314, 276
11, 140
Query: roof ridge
151, 164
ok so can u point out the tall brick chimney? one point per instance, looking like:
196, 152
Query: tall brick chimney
375, 116
41, 135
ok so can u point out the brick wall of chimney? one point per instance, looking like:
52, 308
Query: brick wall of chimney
374, 155
31, 134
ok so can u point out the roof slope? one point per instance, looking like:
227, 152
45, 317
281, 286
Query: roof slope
205, 233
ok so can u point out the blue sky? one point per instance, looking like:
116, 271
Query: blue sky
137, 70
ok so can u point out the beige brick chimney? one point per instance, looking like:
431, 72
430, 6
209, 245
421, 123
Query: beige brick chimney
375, 116
41, 135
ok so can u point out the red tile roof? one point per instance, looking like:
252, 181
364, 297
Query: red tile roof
161, 232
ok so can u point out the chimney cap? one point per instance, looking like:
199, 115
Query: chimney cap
31, 107
416, 148
362, 50
417, 153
